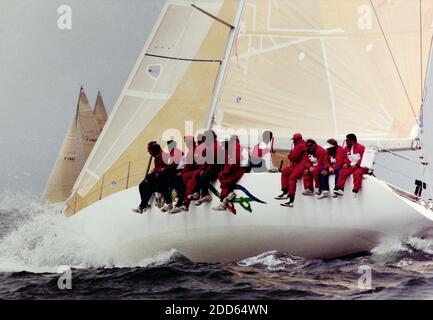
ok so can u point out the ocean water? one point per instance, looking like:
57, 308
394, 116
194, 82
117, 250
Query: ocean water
35, 241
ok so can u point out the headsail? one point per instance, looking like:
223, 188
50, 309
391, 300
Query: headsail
329, 67
87, 125
80, 138
100, 112
172, 81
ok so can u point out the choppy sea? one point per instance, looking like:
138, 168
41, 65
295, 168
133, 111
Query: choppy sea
35, 243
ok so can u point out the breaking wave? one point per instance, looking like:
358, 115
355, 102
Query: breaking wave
38, 238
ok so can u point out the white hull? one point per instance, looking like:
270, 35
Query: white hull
314, 228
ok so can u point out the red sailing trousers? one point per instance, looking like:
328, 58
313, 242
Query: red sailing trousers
190, 180
228, 181
357, 177
311, 176
289, 178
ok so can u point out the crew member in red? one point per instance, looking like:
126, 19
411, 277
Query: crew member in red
351, 166
152, 182
231, 172
188, 167
292, 173
261, 158
318, 163
172, 160
208, 154
336, 156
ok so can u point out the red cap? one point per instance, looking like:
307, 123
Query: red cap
297, 136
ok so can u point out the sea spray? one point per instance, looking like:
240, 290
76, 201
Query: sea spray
39, 238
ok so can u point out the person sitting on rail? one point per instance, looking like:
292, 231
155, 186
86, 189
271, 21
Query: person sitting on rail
188, 168
294, 171
152, 182
318, 163
351, 166
208, 158
231, 173
172, 159
261, 155
336, 158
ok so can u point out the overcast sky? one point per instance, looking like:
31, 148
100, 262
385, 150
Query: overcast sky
42, 69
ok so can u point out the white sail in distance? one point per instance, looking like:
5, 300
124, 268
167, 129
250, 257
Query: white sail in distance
80, 138
329, 67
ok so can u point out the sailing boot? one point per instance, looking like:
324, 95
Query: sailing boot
337, 192
289, 204
167, 207
282, 196
203, 199
222, 207
324, 195
308, 192
182, 208
194, 196
140, 210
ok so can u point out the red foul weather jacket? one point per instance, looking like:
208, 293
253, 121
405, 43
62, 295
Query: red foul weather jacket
172, 160
298, 156
159, 163
202, 151
232, 160
357, 152
338, 160
320, 159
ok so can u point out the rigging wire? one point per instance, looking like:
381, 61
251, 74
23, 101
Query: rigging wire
421, 50
395, 63
397, 172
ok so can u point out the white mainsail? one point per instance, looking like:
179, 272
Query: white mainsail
81, 136
329, 67
100, 112
172, 81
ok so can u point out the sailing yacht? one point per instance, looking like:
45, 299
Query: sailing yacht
321, 67
83, 131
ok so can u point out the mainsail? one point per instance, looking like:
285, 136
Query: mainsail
100, 112
329, 67
80, 138
172, 81
322, 67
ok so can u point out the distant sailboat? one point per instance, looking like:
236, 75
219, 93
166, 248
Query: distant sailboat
83, 131
321, 67
100, 112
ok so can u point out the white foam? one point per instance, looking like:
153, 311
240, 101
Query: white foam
389, 245
270, 260
425, 245
42, 239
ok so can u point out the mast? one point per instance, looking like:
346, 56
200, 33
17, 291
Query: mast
225, 63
